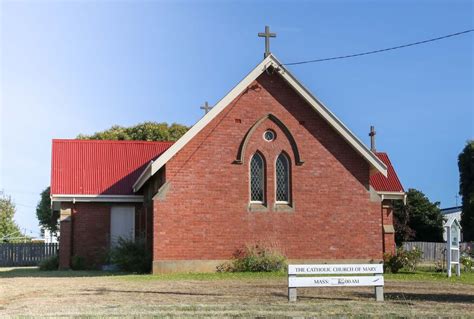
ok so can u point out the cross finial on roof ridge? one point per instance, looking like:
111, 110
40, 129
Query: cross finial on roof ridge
372, 138
267, 35
206, 107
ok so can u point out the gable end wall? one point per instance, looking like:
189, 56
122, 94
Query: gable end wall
206, 216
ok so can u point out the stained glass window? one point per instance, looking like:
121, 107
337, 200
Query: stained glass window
257, 178
282, 179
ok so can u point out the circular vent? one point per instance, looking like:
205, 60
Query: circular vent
269, 135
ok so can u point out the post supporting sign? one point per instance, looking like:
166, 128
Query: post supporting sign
373, 277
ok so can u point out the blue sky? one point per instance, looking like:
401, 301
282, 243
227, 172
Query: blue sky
83, 66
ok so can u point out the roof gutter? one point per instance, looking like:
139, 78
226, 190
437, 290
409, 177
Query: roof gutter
74, 198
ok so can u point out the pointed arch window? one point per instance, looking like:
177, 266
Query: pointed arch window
282, 178
257, 178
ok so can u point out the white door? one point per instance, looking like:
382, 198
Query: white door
122, 223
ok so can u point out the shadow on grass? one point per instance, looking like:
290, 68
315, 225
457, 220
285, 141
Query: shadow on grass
396, 297
35, 272
103, 291
303, 297
409, 297
441, 297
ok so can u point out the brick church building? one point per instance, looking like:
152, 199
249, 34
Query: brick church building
269, 163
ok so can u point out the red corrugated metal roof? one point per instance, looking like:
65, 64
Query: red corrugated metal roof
94, 167
391, 183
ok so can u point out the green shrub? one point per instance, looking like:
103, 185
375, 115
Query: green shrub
467, 262
131, 255
78, 263
392, 263
51, 263
225, 267
412, 258
439, 265
402, 259
254, 258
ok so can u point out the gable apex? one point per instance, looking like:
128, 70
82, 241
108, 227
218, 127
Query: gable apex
269, 62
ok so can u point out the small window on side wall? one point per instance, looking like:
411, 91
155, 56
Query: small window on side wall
282, 179
257, 179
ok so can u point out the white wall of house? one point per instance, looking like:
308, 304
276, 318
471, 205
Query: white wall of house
48, 236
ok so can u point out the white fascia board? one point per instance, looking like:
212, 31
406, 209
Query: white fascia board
373, 160
393, 195
97, 198
206, 119
216, 110
144, 176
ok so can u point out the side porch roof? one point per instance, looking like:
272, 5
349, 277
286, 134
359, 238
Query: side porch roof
389, 186
99, 170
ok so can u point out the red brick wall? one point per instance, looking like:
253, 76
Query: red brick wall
389, 245
65, 244
90, 229
205, 214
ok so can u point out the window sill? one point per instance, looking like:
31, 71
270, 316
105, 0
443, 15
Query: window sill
257, 207
284, 207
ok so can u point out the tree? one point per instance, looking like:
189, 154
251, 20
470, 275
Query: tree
466, 189
419, 219
45, 216
147, 131
401, 219
8, 227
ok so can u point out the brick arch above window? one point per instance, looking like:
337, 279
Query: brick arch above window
243, 145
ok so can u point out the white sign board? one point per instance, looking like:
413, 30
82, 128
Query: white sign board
356, 270
347, 281
335, 269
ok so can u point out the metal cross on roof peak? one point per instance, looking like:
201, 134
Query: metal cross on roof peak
372, 139
206, 107
267, 35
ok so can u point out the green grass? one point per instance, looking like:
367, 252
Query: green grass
209, 276
420, 275
35, 272
427, 275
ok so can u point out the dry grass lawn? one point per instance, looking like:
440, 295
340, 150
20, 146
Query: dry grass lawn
66, 294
